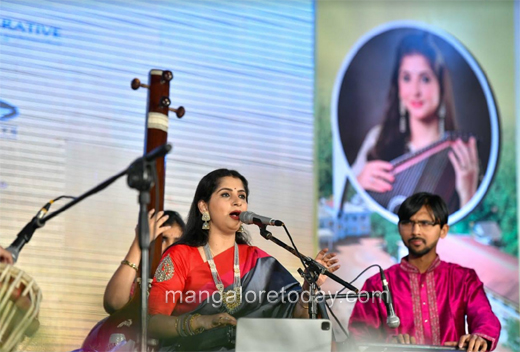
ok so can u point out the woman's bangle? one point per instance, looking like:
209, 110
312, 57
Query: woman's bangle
187, 326
184, 325
192, 329
176, 326
180, 327
132, 265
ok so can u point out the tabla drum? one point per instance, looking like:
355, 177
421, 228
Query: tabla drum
20, 299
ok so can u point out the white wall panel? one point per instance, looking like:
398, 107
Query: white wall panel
244, 71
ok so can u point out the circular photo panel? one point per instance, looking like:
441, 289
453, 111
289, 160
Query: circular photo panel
412, 111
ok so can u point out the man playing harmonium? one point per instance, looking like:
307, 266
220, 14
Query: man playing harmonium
431, 297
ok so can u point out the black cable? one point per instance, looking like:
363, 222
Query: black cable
336, 318
330, 309
296, 249
51, 202
371, 266
87, 194
61, 197
357, 277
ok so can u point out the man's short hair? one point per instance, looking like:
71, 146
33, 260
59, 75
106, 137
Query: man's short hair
435, 204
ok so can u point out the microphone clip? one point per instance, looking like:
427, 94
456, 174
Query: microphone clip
264, 232
140, 175
24, 236
140, 172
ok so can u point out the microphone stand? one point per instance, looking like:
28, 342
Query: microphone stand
311, 277
25, 235
139, 178
314, 270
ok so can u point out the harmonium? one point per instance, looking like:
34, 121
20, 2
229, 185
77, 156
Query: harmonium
382, 347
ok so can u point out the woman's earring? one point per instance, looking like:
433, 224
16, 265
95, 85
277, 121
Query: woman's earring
205, 218
402, 117
241, 229
442, 118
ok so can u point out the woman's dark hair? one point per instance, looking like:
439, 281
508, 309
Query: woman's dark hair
194, 235
391, 142
174, 218
436, 207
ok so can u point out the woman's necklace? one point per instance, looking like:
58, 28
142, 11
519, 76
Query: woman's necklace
231, 298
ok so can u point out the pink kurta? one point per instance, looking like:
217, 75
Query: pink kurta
432, 306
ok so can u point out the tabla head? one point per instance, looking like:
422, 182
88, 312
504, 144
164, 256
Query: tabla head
20, 299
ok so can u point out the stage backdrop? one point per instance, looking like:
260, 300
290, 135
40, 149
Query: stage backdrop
244, 71
356, 45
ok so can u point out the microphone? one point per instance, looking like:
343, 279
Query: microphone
392, 320
25, 235
248, 217
158, 152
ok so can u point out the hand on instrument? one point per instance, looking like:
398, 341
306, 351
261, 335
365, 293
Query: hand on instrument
155, 222
470, 342
464, 158
404, 339
214, 321
6, 256
376, 176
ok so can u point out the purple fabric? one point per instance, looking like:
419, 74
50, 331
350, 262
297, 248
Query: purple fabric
432, 306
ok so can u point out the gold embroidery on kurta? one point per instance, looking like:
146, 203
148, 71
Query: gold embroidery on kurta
165, 270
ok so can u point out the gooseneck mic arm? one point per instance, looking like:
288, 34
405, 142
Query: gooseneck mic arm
27, 232
311, 263
23, 237
40, 219
157, 152
313, 270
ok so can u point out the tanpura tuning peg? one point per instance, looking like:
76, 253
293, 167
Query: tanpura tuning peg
167, 76
136, 84
165, 102
179, 111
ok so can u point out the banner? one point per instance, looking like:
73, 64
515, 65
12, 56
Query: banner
382, 70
